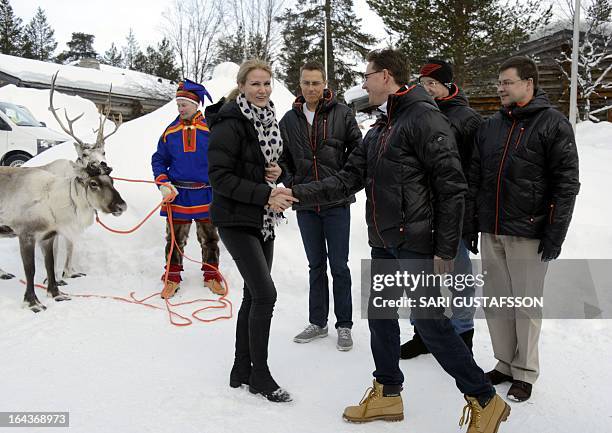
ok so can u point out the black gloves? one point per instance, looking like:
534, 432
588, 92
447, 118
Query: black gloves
471, 242
549, 250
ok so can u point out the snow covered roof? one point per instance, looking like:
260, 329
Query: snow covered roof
124, 81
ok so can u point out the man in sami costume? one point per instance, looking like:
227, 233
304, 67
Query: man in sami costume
180, 164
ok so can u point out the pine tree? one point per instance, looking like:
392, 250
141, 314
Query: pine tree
112, 56
157, 61
10, 30
130, 50
165, 65
232, 48
303, 39
256, 47
38, 40
298, 36
79, 47
143, 63
238, 47
460, 31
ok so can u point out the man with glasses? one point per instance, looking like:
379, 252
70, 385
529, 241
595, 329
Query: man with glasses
409, 166
318, 135
436, 76
523, 185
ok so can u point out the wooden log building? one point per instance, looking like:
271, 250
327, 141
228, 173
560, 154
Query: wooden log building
482, 76
480, 87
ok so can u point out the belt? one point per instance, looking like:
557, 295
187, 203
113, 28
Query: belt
189, 185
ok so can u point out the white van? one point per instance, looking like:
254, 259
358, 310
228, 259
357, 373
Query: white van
22, 136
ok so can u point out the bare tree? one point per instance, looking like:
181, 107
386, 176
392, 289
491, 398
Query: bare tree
595, 52
192, 27
253, 29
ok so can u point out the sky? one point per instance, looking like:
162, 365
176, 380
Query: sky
111, 20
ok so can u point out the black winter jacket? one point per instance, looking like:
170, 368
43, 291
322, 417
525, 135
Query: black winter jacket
464, 121
317, 152
409, 165
236, 168
524, 173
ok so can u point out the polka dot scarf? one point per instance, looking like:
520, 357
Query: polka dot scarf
271, 146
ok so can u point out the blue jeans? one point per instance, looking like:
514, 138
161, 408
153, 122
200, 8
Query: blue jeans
463, 317
326, 234
435, 329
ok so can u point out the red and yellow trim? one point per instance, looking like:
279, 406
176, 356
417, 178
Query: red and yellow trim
172, 130
186, 209
189, 131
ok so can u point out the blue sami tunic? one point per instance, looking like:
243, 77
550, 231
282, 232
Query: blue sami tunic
181, 158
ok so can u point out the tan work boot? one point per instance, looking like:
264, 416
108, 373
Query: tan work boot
170, 289
375, 406
487, 419
216, 287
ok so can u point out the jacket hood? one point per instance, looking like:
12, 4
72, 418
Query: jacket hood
325, 104
539, 102
224, 109
407, 96
454, 99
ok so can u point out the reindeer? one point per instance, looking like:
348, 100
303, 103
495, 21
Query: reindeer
87, 154
37, 205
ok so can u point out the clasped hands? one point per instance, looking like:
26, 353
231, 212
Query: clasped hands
281, 199
168, 192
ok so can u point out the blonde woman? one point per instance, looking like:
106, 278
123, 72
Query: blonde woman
244, 148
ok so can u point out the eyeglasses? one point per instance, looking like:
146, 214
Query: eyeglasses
311, 83
365, 76
507, 83
429, 83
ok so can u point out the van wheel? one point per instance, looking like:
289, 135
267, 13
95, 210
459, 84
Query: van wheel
16, 159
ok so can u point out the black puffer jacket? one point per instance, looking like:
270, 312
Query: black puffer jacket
524, 173
317, 152
409, 165
235, 168
464, 121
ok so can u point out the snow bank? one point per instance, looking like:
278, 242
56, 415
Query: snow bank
594, 134
590, 233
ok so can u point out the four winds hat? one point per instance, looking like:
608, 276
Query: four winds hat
192, 92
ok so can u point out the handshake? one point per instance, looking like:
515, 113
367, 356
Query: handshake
281, 199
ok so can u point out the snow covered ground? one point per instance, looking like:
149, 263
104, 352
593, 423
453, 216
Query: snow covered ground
123, 368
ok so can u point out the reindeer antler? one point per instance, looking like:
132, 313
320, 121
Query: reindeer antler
53, 110
103, 117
